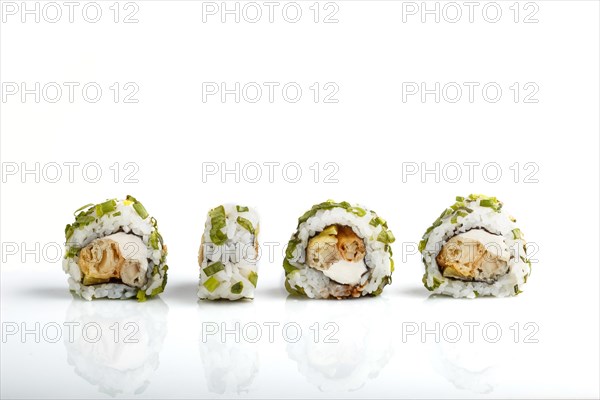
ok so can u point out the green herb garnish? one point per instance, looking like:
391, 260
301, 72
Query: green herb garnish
237, 288
246, 224
214, 268
211, 284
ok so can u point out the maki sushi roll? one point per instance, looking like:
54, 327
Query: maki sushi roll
339, 251
475, 249
228, 254
114, 250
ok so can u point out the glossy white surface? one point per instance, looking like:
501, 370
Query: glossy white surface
380, 350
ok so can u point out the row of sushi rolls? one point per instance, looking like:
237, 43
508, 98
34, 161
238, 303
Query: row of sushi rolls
339, 250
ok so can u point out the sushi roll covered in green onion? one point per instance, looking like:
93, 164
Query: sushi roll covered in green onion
114, 250
475, 249
228, 253
339, 251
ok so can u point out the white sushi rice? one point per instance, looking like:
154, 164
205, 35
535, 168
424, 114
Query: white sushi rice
313, 282
495, 222
129, 221
238, 256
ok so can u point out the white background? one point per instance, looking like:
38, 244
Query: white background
370, 134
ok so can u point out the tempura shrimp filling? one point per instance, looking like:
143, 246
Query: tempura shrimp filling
117, 257
475, 255
339, 253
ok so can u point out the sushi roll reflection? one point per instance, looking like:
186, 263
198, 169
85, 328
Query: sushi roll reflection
340, 251
114, 250
474, 249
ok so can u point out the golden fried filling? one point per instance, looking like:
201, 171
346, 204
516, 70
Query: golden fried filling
339, 253
475, 255
119, 257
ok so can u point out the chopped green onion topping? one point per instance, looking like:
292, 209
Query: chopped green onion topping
72, 252
490, 202
376, 221
116, 214
82, 208
289, 289
214, 268
139, 208
486, 203
517, 234
385, 281
211, 284
141, 295
241, 208
161, 288
328, 205
436, 283
296, 290
422, 245
459, 198
288, 267
154, 240
246, 224
357, 211
84, 220
106, 207
445, 213
69, 230
218, 222
291, 247
517, 290
253, 278
237, 288
386, 236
